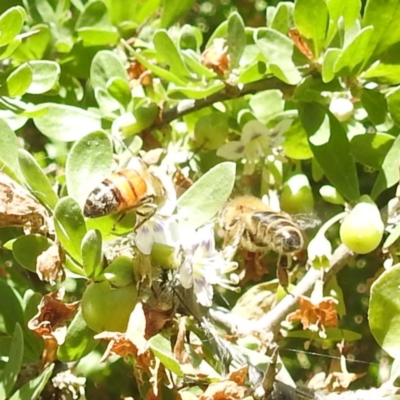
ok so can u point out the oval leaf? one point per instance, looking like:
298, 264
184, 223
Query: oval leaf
330, 146
384, 311
70, 226
18, 82
91, 253
79, 340
371, 149
207, 196
88, 163
9, 152
26, 250
67, 123
38, 182
44, 76
389, 172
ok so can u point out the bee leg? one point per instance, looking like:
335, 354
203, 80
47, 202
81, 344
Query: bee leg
233, 235
145, 212
284, 263
118, 220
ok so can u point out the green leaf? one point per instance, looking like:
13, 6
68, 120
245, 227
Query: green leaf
384, 311
161, 72
371, 149
282, 17
311, 19
6, 51
26, 250
207, 196
92, 253
168, 52
277, 49
13, 366
10, 309
190, 38
173, 10
98, 37
106, 65
36, 179
296, 144
348, 11
353, 58
392, 238
121, 10
193, 62
11, 22
67, 123
45, 76
9, 152
211, 131
32, 389
88, 163
161, 348
18, 82
70, 226
143, 117
384, 16
79, 340
393, 101
236, 40
330, 146
267, 104
330, 57
375, 105
120, 91
389, 172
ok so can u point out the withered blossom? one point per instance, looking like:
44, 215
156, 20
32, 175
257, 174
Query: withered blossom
49, 322
49, 264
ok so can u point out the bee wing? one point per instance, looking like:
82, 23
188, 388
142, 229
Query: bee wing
306, 221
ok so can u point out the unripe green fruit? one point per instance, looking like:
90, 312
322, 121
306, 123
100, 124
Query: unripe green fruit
362, 230
296, 196
108, 309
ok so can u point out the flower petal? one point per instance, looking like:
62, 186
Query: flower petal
231, 151
145, 237
252, 129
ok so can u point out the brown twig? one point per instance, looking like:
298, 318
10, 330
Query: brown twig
229, 92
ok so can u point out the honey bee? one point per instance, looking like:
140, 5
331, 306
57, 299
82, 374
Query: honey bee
133, 188
252, 225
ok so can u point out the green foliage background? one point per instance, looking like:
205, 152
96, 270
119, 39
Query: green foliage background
71, 112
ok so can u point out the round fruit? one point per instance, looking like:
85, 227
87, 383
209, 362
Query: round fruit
296, 196
362, 230
108, 309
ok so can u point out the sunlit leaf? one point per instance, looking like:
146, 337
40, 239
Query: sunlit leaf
384, 311
67, 123
11, 22
88, 163
236, 40
92, 253
38, 182
70, 226
311, 19
330, 146
207, 196
389, 171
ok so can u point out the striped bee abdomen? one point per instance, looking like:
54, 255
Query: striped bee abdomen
121, 191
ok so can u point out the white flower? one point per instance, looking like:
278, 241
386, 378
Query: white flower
320, 251
203, 266
157, 230
257, 141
